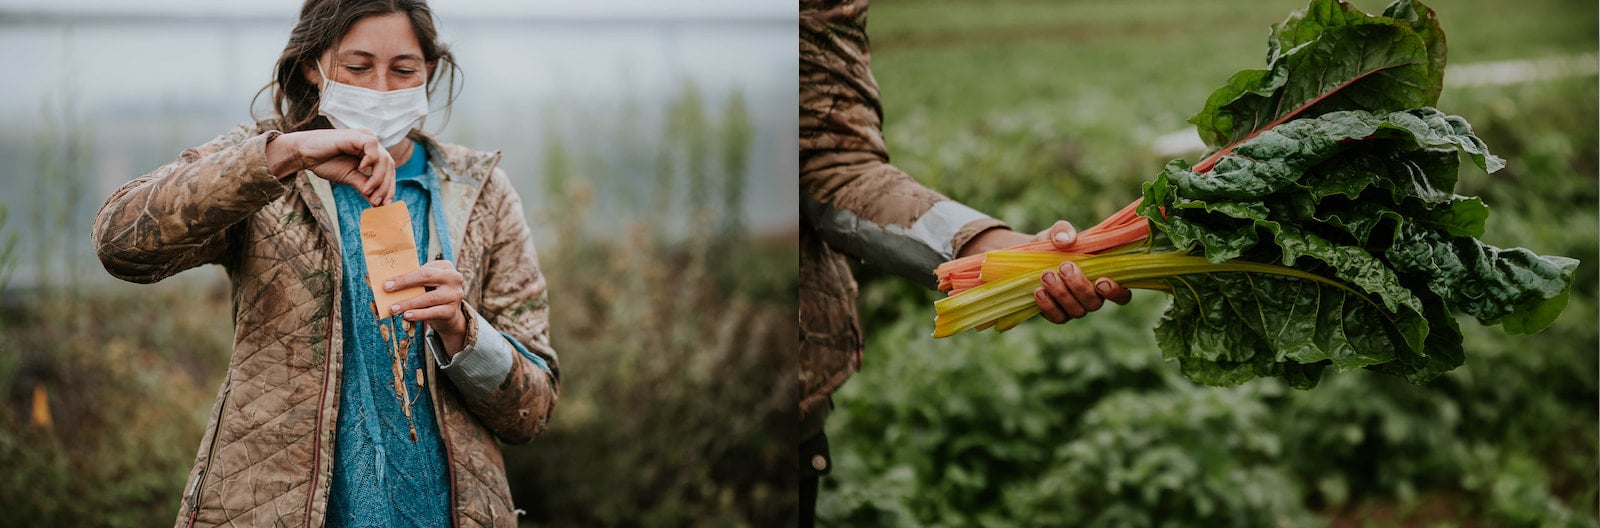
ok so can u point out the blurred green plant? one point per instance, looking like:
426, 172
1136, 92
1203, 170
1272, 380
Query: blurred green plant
670, 415
8, 251
64, 144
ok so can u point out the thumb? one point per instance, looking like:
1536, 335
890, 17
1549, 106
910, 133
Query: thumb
1061, 234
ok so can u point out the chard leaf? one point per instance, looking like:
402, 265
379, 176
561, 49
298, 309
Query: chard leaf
1426, 174
1340, 153
1443, 346
1512, 286
1366, 272
1460, 216
1227, 328
1363, 220
1369, 198
1375, 225
1283, 156
1331, 57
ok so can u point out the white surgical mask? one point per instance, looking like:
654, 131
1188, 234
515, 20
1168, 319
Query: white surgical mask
389, 115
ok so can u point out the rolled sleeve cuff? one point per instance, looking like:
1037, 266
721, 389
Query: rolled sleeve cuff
481, 365
911, 251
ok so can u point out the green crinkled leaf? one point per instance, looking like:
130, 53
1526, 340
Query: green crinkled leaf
1331, 161
1443, 347
1282, 156
1515, 286
1426, 174
1366, 222
1367, 273
1460, 216
1331, 57
1228, 328
1341, 153
1369, 198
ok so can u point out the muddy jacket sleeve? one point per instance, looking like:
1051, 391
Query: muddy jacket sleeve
515, 308
858, 202
184, 214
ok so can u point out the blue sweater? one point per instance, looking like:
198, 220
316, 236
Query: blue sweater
382, 475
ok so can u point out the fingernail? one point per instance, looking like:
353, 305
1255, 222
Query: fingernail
1103, 286
1062, 238
396, 308
388, 286
408, 316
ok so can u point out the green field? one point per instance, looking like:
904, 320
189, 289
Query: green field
1037, 110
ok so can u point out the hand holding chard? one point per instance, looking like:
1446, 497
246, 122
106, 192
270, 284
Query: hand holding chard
1322, 230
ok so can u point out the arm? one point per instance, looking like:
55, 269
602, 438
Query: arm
865, 207
180, 216
497, 354
858, 202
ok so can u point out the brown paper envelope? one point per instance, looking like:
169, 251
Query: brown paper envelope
391, 250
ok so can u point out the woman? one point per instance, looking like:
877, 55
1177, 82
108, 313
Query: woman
330, 415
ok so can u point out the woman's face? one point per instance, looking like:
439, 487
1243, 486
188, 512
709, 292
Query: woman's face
379, 52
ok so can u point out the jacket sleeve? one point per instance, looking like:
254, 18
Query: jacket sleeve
514, 303
859, 203
184, 214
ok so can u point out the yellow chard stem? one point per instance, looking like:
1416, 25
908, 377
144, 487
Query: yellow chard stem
1006, 298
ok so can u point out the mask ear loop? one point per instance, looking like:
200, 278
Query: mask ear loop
325, 80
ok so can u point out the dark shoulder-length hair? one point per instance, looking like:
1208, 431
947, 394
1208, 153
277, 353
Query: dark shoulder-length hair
322, 23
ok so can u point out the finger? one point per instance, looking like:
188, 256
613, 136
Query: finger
439, 297
432, 313
1057, 290
440, 264
374, 179
383, 193
1048, 308
1081, 288
368, 183
377, 166
371, 160
1112, 291
1062, 234
428, 276
390, 188
355, 178
386, 177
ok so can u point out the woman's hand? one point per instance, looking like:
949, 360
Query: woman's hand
351, 156
1065, 293
440, 307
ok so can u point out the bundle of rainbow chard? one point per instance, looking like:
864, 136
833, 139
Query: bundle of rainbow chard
1323, 229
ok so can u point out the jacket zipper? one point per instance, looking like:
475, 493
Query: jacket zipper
438, 417
322, 405
211, 452
328, 357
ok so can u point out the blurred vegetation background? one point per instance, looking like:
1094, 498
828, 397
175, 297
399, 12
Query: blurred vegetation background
1035, 111
647, 168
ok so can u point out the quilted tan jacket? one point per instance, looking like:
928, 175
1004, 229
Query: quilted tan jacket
266, 457
853, 202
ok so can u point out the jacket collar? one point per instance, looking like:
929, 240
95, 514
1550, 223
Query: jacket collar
461, 171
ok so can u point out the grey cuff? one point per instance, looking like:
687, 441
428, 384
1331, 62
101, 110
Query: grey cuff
479, 368
911, 252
